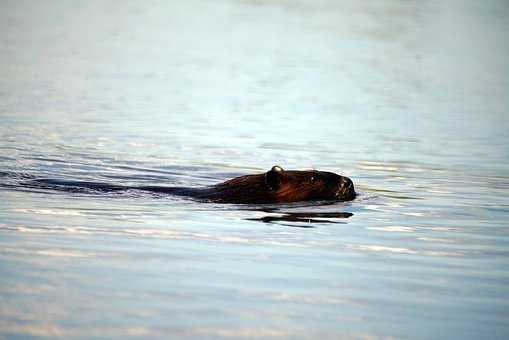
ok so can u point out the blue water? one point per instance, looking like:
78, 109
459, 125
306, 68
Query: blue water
409, 99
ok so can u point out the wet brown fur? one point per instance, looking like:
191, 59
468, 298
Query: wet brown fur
280, 186
274, 186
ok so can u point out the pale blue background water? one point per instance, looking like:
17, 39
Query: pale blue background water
408, 98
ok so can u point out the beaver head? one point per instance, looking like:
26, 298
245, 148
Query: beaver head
293, 186
278, 186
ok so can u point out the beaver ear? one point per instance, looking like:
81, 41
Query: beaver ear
273, 177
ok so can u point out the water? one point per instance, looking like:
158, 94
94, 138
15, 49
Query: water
409, 99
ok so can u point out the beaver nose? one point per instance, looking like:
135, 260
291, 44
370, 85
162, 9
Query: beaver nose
348, 189
346, 182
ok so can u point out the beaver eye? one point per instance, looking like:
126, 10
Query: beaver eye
313, 179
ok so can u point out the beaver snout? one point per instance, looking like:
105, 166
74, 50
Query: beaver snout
346, 182
346, 190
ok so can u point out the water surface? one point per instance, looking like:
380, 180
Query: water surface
410, 99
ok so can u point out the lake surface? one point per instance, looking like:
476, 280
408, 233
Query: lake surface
410, 99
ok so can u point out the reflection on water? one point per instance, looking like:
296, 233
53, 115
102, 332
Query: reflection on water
308, 218
409, 99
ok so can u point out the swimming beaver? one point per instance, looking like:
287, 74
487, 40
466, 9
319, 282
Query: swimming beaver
275, 186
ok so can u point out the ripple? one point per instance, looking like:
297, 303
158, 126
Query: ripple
151, 233
401, 229
61, 212
380, 248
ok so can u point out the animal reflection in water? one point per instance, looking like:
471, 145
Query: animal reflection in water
303, 219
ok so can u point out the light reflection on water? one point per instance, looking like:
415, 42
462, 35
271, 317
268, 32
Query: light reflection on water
409, 99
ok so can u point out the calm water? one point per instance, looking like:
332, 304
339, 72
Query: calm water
408, 98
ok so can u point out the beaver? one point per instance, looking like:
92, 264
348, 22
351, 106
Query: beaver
275, 186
